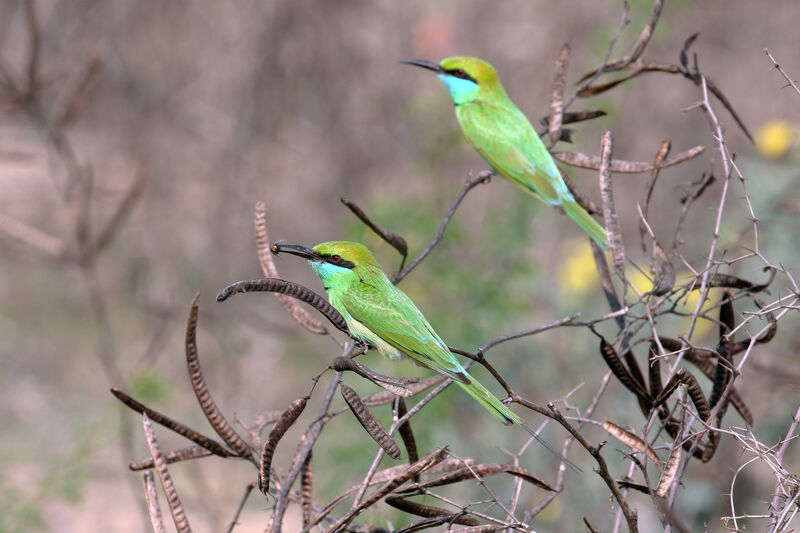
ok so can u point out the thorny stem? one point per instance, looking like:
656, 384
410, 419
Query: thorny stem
630, 515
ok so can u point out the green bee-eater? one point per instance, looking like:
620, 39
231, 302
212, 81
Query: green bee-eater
379, 313
504, 137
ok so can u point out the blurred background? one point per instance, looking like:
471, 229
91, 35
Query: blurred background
129, 172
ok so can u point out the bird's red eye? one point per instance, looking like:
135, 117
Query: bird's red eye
460, 73
335, 258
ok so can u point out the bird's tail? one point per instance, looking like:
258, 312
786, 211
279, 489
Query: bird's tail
586, 222
506, 415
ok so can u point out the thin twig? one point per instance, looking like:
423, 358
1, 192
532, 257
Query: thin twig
470, 184
790, 81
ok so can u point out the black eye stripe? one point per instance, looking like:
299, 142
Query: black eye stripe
462, 74
339, 261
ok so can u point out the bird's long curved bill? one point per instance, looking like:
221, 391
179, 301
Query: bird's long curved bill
295, 249
430, 65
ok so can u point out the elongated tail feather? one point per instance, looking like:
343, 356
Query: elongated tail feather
506, 415
586, 222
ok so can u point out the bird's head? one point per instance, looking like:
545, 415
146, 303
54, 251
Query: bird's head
334, 262
467, 78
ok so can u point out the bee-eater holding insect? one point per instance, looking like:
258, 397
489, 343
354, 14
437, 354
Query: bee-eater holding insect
504, 137
379, 313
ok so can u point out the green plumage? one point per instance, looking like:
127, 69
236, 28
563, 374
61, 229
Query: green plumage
500, 133
382, 315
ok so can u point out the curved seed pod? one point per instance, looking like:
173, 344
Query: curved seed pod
369, 422
291, 289
527, 476
406, 433
575, 116
287, 419
483, 470
669, 472
383, 397
695, 393
711, 448
632, 441
394, 385
656, 385
702, 360
212, 412
153, 507
175, 506
741, 407
635, 486
673, 427
633, 366
258, 424
727, 320
428, 511
300, 315
185, 431
615, 364
724, 370
175, 456
306, 490
732, 282
668, 389
636, 373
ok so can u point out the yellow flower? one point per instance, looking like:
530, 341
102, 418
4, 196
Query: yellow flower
775, 138
579, 275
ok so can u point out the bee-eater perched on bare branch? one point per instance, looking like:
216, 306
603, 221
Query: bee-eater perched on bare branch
379, 313
504, 137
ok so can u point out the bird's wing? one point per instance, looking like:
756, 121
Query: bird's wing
393, 317
506, 139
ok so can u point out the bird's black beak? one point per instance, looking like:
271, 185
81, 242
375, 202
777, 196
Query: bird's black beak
296, 249
430, 65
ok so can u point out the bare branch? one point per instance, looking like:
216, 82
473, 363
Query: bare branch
557, 95
790, 81
470, 184
619, 166
395, 240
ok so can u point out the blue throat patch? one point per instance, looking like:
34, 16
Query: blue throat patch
461, 90
331, 275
